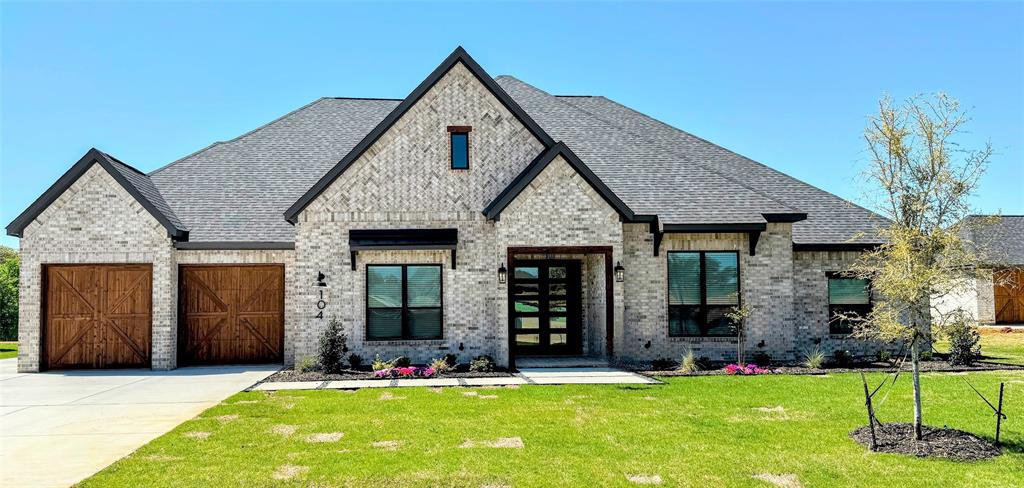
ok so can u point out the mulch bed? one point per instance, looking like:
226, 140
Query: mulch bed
926, 367
292, 375
898, 438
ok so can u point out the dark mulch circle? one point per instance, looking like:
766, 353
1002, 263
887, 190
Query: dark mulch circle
898, 438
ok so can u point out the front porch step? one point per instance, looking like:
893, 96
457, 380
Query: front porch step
561, 362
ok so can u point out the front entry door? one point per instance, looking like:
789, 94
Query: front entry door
546, 313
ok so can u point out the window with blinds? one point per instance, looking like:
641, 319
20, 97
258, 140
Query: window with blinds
848, 300
702, 287
403, 302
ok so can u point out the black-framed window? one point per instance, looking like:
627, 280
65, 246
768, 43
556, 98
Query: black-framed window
702, 287
403, 301
459, 148
846, 297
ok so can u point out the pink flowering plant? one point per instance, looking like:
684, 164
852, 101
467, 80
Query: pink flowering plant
406, 372
745, 369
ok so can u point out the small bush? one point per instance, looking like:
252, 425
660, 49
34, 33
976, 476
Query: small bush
963, 344
762, 359
441, 366
885, 356
814, 358
355, 361
379, 364
305, 365
451, 359
925, 355
332, 347
842, 357
663, 364
402, 362
482, 364
688, 363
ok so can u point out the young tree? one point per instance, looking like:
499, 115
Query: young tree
924, 180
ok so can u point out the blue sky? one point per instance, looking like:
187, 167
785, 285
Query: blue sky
788, 84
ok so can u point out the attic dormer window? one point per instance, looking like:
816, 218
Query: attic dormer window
459, 136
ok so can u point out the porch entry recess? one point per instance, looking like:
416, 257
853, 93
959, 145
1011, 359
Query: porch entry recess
547, 313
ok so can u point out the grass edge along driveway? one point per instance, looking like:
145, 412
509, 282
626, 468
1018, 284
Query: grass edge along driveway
694, 431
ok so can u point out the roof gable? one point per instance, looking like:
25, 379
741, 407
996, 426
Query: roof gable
457, 56
137, 184
509, 194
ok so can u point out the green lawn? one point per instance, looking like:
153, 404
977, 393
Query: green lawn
997, 346
8, 350
695, 431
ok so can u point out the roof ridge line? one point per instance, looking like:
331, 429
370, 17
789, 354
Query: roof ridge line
669, 151
212, 145
674, 128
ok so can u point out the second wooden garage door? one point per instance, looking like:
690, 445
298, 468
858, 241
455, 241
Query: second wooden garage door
231, 314
1009, 296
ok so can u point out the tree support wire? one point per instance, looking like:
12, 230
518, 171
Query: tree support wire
997, 409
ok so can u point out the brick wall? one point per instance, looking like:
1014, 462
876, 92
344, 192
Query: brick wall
97, 221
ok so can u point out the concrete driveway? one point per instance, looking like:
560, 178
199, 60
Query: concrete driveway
59, 428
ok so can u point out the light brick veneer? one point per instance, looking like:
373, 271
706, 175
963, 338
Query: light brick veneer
97, 221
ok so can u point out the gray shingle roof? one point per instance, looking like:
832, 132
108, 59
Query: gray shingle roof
144, 185
830, 219
1001, 240
238, 190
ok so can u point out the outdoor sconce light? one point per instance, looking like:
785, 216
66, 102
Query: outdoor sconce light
620, 272
502, 274
462, 346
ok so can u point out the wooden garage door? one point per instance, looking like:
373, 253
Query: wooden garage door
1009, 296
97, 316
231, 314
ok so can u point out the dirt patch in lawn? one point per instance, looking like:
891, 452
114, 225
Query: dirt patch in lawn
197, 435
499, 443
780, 480
283, 429
952, 444
386, 445
289, 471
224, 419
322, 437
387, 395
644, 479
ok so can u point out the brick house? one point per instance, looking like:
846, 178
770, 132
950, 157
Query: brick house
478, 215
997, 296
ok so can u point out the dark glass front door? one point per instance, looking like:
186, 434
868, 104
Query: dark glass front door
546, 313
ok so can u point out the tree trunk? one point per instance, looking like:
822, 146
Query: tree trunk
914, 360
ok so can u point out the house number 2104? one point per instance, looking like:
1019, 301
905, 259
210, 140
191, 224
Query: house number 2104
320, 306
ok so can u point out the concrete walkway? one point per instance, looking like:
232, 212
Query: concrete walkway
59, 428
526, 376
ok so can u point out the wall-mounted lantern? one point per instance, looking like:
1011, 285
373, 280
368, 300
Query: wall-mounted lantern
502, 274
620, 272
320, 279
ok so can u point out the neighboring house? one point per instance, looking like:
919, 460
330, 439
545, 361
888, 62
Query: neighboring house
997, 297
478, 215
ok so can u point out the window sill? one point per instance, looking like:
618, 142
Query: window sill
702, 339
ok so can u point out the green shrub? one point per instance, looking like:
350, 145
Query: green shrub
842, 357
814, 358
402, 362
963, 343
885, 356
305, 365
688, 363
925, 355
452, 360
379, 364
332, 347
9, 270
482, 364
663, 364
355, 361
762, 359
